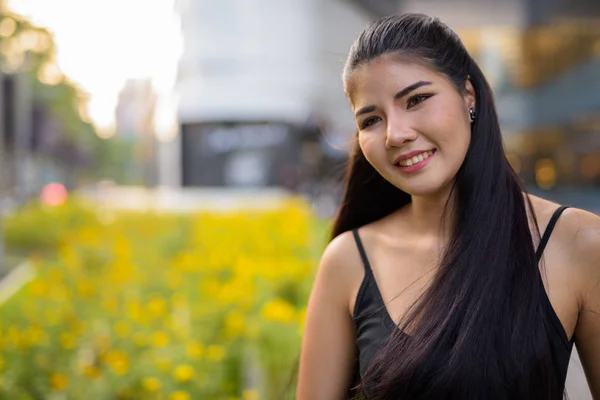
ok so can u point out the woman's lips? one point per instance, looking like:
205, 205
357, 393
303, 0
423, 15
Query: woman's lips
422, 161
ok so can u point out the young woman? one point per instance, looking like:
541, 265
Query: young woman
437, 283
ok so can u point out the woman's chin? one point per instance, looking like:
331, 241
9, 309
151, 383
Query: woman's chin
424, 189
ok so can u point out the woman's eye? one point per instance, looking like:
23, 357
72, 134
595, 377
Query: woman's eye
368, 122
419, 98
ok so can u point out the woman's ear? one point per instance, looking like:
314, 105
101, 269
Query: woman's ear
470, 94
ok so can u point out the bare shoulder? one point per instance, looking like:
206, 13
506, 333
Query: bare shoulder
341, 265
584, 228
574, 260
577, 235
581, 231
342, 253
576, 226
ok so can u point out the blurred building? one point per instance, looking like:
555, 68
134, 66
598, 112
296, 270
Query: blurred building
134, 117
257, 74
543, 61
542, 58
260, 93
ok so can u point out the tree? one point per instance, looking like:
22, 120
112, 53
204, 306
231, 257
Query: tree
57, 104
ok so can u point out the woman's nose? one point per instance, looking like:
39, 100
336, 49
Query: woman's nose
398, 133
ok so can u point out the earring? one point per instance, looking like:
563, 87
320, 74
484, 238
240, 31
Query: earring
472, 114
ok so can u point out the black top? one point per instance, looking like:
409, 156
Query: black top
374, 325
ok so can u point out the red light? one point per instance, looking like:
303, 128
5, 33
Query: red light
54, 194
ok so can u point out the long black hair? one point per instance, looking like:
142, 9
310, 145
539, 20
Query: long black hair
478, 331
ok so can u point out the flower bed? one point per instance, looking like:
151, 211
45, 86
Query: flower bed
157, 306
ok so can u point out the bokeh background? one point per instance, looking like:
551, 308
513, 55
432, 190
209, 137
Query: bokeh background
169, 170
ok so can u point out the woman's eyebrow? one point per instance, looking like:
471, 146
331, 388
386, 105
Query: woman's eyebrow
410, 88
400, 94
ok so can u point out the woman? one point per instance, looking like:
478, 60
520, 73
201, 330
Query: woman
437, 283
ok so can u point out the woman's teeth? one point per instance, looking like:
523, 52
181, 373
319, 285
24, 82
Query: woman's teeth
415, 159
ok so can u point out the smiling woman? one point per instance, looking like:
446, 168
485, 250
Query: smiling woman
437, 283
396, 99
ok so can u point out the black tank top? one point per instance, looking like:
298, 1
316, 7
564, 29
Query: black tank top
374, 325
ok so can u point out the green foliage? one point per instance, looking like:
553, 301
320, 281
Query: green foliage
63, 99
36, 227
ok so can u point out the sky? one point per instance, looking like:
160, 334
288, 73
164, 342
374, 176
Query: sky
100, 44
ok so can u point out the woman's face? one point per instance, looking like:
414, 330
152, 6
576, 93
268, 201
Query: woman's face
414, 126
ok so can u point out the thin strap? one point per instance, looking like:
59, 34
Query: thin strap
548, 231
361, 250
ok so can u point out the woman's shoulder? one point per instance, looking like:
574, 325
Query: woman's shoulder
576, 236
341, 262
575, 226
571, 218
581, 233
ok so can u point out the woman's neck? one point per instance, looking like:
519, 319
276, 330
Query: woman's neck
432, 215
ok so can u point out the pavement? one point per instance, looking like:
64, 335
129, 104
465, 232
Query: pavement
184, 199
576, 386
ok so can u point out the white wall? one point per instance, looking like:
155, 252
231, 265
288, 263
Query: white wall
253, 59
338, 30
250, 59
263, 60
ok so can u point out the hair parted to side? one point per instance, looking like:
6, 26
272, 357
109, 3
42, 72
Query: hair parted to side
480, 331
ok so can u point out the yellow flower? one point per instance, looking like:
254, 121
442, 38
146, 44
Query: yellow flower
59, 382
278, 311
86, 289
91, 372
250, 394
234, 323
194, 350
157, 307
301, 317
162, 364
151, 384
51, 317
36, 335
122, 329
179, 396
67, 340
183, 373
160, 339
111, 304
215, 353
118, 360
140, 339
102, 343
222, 264
55, 276
38, 288
59, 293
252, 330
173, 280
179, 301
134, 311
121, 367
77, 327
